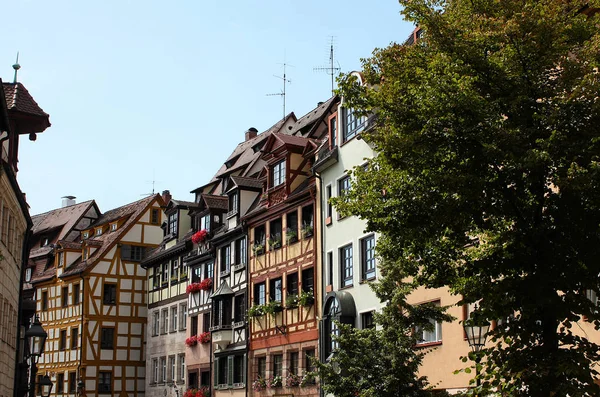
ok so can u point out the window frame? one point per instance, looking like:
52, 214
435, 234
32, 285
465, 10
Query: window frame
346, 256
109, 294
107, 338
103, 376
278, 173
368, 263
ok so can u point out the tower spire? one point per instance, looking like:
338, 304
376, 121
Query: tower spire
16, 67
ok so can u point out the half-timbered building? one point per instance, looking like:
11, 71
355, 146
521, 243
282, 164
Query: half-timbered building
92, 302
167, 272
284, 261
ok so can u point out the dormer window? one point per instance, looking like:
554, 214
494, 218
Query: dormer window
113, 227
45, 241
85, 235
99, 232
205, 222
28, 272
353, 124
278, 173
234, 203
332, 132
173, 223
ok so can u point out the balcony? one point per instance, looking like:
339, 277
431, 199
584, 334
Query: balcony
222, 337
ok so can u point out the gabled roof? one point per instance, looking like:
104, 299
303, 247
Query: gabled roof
131, 212
18, 100
65, 218
223, 290
278, 140
244, 182
216, 202
306, 124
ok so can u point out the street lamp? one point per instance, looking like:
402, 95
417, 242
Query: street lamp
46, 385
36, 341
476, 335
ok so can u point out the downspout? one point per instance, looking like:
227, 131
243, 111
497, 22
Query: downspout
18, 352
80, 383
322, 236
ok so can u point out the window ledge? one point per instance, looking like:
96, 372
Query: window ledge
367, 280
428, 344
346, 287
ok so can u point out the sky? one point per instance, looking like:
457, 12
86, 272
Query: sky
143, 91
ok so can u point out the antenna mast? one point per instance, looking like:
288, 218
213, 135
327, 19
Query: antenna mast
16, 67
331, 69
285, 82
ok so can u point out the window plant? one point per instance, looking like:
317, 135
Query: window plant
200, 236
259, 384
307, 230
204, 337
291, 235
256, 311
306, 298
275, 382
293, 380
206, 284
291, 301
258, 249
272, 307
191, 341
275, 241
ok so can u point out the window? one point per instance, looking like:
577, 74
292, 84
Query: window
44, 300
173, 223
205, 378
367, 259
292, 227
209, 270
366, 320
238, 369
155, 377
307, 220
61, 259
133, 253
308, 279
154, 216
174, 268
181, 358
99, 231
165, 273
105, 382
261, 367
332, 132
260, 294
107, 338
76, 294
309, 356
259, 235
28, 272
172, 368
343, 186
205, 222
241, 251
194, 325
278, 173
65, 296
72, 382
165, 321
182, 316
239, 303
221, 370
222, 308
206, 322
74, 337
431, 335
330, 268
353, 124
276, 235
346, 267
293, 363
328, 202
234, 202
226, 258
62, 341
173, 327
292, 284
113, 227
275, 290
110, 294
155, 323
163, 370
60, 383
277, 364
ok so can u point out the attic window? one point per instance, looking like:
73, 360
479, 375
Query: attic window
28, 272
113, 227
99, 232
278, 173
258, 146
45, 241
85, 234
229, 163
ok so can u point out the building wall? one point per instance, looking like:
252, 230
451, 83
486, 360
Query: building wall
12, 233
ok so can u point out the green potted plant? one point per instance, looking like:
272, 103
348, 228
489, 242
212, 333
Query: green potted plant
273, 307
256, 311
258, 249
306, 298
291, 301
291, 235
307, 230
275, 241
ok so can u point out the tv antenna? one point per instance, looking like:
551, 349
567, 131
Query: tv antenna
16, 67
331, 69
285, 82
153, 182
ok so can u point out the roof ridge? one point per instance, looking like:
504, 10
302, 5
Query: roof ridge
56, 209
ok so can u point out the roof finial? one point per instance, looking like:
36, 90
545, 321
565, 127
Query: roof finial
16, 67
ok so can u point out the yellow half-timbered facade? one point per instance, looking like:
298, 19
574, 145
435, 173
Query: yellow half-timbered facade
92, 303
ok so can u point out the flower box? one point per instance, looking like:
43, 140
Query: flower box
191, 341
200, 236
204, 337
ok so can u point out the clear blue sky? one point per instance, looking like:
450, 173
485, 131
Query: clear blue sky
143, 90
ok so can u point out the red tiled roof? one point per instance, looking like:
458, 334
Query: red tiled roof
130, 211
242, 181
217, 202
65, 218
19, 99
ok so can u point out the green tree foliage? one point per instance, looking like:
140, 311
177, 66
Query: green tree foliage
487, 178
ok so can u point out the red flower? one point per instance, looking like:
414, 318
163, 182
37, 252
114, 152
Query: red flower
204, 337
192, 341
199, 236
206, 284
194, 287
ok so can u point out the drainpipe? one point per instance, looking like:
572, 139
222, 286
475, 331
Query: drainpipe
322, 235
80, 383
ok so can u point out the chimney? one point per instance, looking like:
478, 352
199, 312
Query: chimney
251, 133
166, 195
68, 201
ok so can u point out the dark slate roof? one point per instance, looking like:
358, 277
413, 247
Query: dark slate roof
314, 116
182, 203
252, 183
216, 202
223, 290
18, 99
131, 212
65, 218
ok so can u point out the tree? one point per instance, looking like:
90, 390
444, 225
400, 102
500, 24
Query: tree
487, 177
